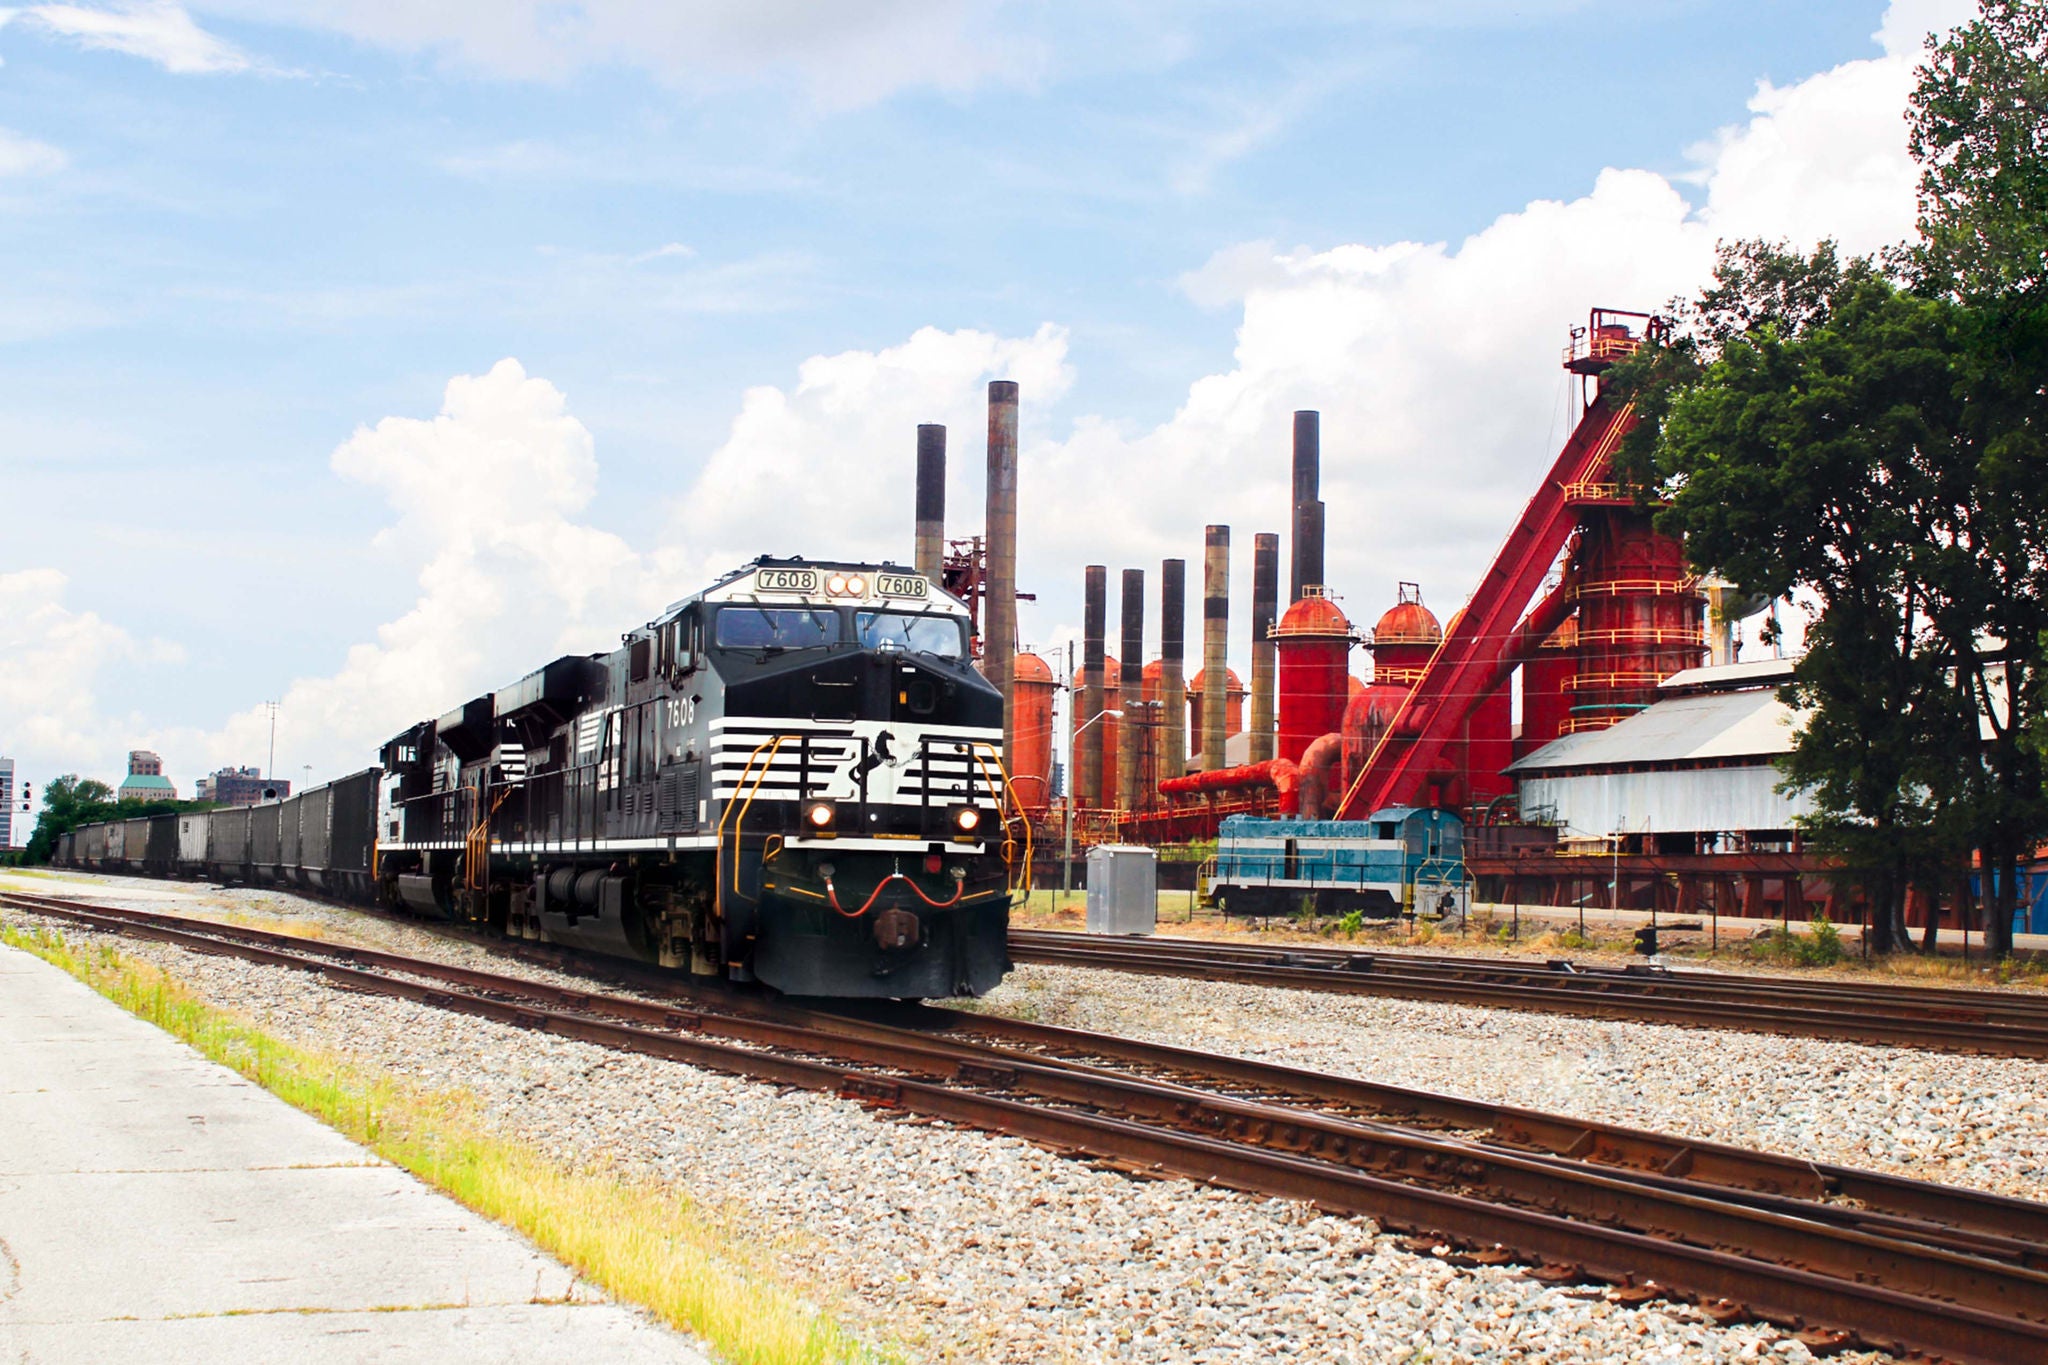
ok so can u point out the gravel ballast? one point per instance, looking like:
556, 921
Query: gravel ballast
962, 1246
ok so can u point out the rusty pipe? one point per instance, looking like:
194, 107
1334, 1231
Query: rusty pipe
1265, 654
1094, 591
928, 555
1173, 686
1215, 642
999, 644
1131, 730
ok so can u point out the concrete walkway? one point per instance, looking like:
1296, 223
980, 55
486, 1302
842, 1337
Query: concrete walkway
157, 1208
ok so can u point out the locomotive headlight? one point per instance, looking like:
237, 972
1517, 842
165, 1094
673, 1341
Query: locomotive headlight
821, 819
836, 585
856, 586
966, 822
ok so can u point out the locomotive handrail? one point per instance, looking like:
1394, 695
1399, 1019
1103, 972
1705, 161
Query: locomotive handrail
1008, 788
772, 744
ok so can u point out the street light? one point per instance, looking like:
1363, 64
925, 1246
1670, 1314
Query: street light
1067, 858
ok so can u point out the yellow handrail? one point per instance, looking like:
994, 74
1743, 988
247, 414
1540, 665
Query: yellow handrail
772, 744
1007, 788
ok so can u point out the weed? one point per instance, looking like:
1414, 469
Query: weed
1349, 923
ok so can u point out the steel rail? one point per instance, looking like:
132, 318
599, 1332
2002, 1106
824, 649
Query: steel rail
1963, 1307
1972, 1219
1943, 1001
1666, 1000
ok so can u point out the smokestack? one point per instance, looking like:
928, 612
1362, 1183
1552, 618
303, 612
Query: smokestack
1173, 683
1265, 613
1094, 607
1131, 729
929, 555
999, 646
1307, 565
1215, 642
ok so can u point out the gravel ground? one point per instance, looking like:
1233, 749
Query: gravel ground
1961, 1120
962, 1246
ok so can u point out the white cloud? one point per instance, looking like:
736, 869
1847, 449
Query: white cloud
52, 659
159, 31
24, 155
1434, 366
822, 468
844, 54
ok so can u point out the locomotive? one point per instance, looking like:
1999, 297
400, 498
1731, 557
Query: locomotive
794, 776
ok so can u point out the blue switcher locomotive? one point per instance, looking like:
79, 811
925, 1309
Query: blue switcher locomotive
1400, 861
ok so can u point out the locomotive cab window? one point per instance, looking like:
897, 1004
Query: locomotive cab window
911, 632
748, 627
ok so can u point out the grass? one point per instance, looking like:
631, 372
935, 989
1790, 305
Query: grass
639, 1240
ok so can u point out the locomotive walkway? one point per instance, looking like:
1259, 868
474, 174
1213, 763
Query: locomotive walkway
154, 1206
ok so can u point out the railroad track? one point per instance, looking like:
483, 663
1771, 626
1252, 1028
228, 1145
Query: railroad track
1994, 1023
1895, 1263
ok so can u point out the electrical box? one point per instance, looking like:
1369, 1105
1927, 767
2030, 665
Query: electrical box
1123, 889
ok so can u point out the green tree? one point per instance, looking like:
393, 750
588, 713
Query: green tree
1979, 129
68, 802
1794, 425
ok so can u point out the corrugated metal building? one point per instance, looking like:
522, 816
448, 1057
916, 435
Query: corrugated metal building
1696, 761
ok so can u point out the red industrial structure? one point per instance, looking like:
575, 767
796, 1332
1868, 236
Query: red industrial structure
1435, 726
1031, 755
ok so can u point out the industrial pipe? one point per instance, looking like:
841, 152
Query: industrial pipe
1318, 776
1132, 730
999, 644
1307, 489
1265, 615
929, 553
1094, 607
1173, 687
1215, 642
1276, 775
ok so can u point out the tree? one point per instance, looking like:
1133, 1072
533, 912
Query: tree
1979, 129
68, 802
1793, 426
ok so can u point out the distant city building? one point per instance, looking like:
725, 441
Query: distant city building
146, 780
240, 787
7, 803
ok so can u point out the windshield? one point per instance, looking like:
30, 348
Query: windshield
914, 634
776, 628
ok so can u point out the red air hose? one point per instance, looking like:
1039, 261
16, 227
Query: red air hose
832, 895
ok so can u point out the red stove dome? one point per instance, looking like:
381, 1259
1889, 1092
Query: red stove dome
1314, 616
1408, 622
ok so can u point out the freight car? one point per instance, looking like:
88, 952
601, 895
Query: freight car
258, 845
795, 776
1401, 861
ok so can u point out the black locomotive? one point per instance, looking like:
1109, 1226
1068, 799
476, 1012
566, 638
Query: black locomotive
795, 776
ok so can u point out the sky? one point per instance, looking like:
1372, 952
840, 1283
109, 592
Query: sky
362, 355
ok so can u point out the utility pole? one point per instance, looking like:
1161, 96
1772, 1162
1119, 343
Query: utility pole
271, 764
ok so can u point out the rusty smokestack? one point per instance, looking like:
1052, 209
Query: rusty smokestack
1306, 568
1265, 657
999, 645
1215, 643
1131, 729
1094, 608
1173, 683
929, 555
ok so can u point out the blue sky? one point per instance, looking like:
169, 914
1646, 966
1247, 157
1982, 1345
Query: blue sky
238, 233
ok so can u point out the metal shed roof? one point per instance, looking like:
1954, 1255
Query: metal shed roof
1751, 723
